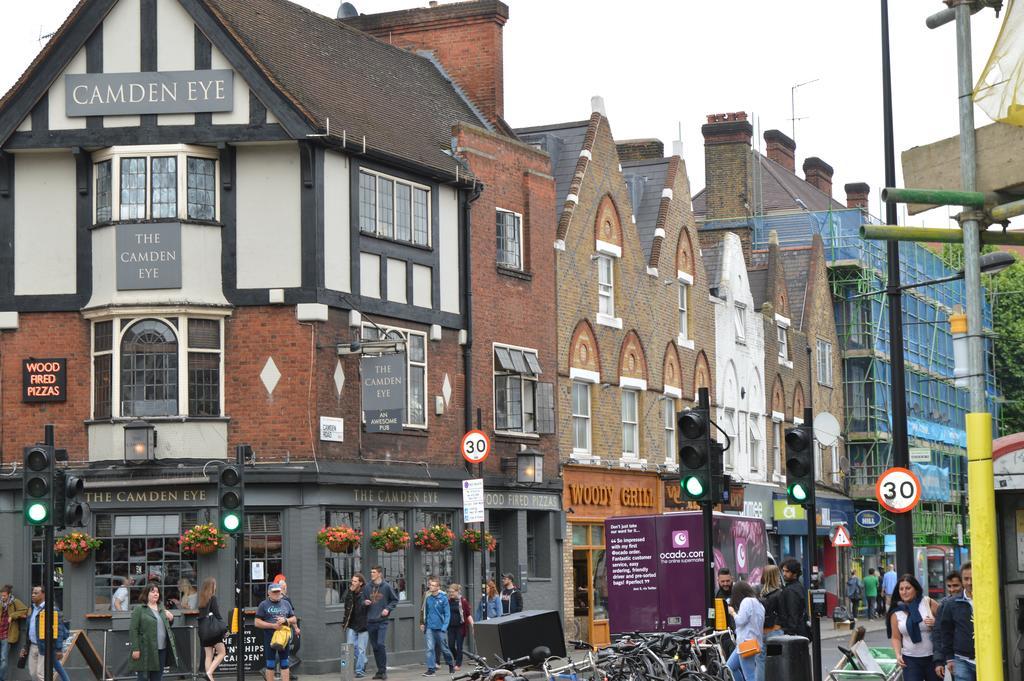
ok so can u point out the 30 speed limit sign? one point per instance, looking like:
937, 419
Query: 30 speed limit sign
898, 490
475, 446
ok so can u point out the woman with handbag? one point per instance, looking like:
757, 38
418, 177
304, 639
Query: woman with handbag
152, 640
212, 627
909, 625
748, 613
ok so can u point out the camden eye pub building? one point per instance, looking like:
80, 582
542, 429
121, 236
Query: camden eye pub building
211, 213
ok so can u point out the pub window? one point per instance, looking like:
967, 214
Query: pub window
38, 562
142, 377
263, 544
339, 567
395, 565
439, 563
416, 370
391, 208
145, 183
145, 549
515, 389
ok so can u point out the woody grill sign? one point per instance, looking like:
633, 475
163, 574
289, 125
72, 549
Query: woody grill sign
44, 380
383, 380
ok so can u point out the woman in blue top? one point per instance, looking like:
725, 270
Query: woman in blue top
493, 601
748, 613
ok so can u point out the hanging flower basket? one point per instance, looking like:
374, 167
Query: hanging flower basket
76, 546
202, 540
435, 538
471, 540
389, 539
339, 538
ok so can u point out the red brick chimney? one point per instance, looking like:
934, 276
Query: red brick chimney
466, 38
857, 194
779, 147
727, 165
818, 173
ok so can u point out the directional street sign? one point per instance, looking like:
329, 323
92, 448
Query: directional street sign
898, 490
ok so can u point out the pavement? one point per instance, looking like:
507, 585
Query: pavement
830, 637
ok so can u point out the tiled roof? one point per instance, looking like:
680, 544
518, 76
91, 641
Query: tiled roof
645, 181
758, 278
401, 102
563, 142
779, 191
796, 263
712, 257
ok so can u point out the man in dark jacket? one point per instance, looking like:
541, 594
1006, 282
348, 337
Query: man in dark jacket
380, 599
793, 605
511, 596
355, 621
956, 633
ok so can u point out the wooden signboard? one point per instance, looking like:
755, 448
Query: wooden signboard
80, 642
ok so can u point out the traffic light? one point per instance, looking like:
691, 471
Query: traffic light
68, 509
695, 464
37, 485
230, 486
800, 465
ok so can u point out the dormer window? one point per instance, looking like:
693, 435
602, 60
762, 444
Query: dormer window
156, 183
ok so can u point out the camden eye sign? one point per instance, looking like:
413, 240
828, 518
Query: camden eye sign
155, 92
149, 256
383, 381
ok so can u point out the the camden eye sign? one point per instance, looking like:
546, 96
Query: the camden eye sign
383, 392
149, 256
155, 92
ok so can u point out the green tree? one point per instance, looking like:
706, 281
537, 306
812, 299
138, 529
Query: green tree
1005, 293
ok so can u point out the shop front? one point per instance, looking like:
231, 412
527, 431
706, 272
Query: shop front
591, 495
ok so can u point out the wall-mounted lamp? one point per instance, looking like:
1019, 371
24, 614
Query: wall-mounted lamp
528, 465
139, 441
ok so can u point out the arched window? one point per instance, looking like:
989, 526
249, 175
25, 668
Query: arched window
149, 369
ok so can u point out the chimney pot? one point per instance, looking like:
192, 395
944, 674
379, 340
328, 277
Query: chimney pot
818, 173
857, 194
781, 149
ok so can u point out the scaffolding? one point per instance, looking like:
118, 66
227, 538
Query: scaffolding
936, 408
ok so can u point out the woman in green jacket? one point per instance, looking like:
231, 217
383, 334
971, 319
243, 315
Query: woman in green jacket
151, 637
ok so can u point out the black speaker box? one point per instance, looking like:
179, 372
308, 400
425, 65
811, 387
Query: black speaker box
513, 636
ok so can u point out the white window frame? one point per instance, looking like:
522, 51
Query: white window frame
783, 337
409, 364
684, 312
605, 288
517, 220
122, 322
834, 458
754, 442
729, 426
578, 417
740, 322
180, 151
527, 387
668, 414
776, 446
630, 394
379, 232
824, 362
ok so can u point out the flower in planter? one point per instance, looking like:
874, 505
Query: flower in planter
389, 539
471, 540
76, 542
435, 538
338, 537
202, 539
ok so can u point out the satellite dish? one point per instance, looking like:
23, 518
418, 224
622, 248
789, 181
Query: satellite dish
826, 429
347, 10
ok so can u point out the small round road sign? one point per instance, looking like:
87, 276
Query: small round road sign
475, 446
898, 490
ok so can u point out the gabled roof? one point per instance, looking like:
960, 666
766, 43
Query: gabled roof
646, 180
712, 257
779, 191
400, 102
758, 279
796, 265
563, 142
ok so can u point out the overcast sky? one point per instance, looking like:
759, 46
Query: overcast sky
664, 65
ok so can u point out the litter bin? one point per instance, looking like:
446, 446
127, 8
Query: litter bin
348, 672
788, 657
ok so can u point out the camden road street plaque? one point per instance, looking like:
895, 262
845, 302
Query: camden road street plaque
383, 392
155, 92
149, 256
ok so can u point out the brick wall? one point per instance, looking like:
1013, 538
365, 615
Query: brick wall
466, 37
511, 307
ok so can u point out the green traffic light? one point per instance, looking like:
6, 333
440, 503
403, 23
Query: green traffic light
694, 487
230, 522
798, 492
37, 513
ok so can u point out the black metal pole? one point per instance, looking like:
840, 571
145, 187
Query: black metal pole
47, 577
811, 558
483, 530
240, 574
900, 449
706, 510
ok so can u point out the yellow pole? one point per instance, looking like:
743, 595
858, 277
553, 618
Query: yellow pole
988, 631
